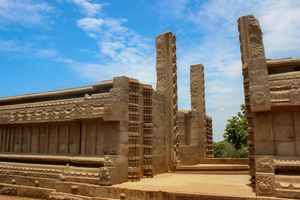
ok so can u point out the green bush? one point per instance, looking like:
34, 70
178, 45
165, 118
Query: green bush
234, 144
242, 153
225, 149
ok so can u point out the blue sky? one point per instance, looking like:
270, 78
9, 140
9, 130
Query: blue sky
48, 45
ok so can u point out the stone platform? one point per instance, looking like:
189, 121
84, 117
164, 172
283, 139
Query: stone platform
168, 186
200, 185
213, 169
191, 186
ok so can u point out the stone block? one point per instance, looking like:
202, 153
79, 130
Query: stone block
121, 81
263, 127
298, 148
283, 133
265, 184
258, 64
282, 118
260, 98
119, 94
264, 164
296, 118
115, 111
264, 148
285, 148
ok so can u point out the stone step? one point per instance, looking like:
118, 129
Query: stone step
68, 196
28, 181
30, 173
24, 191
238, 161
76, 188
287, 193
88, 180
40, 175
213, 169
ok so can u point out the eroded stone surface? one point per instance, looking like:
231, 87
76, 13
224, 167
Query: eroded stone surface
271, 95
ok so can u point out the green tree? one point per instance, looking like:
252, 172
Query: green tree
236, 130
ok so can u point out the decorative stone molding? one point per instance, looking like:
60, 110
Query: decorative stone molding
265, 184
107, 161
259, 97
176, 159
264, 164
255, 76
104, 176
166, 70
53, 114
113, 111
285, 92
6, 190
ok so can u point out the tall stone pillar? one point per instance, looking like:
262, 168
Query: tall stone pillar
166, 84
255, 73
198, 105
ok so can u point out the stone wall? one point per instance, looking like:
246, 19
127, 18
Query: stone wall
86, 138
209, 138
272, 103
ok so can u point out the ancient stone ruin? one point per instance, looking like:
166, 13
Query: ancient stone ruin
195, 127
272, 102
76, 144
111, 132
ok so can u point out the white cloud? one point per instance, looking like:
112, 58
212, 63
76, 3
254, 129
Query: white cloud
215, 22
24, 12
172, 7
127, 52
90, 24
143, 70
88, 8
21, 50
281, 27
218, 47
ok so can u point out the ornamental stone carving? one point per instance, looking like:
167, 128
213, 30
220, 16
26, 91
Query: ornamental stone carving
104, 176
108, 162
259, 97
294, 92
265, 184
88, 109
264, 164
8, 191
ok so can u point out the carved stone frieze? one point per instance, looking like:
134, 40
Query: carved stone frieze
6, 190
259, 97
264, 164
104, 176
285, 91
89, 109
265, 184
108, 162
295, 91
113, 111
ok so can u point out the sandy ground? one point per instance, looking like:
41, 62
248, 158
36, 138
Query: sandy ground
233, 185
15, 198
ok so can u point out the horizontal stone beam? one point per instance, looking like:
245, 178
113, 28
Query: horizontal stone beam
96, 161
58, 93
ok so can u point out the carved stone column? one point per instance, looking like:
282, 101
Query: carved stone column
198, 105
265, 177
255, 73
166, 70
